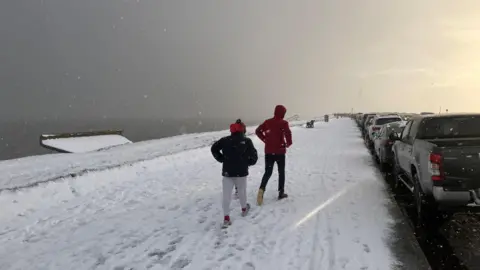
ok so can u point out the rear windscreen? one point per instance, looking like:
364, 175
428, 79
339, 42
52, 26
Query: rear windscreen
450, 127
383, 121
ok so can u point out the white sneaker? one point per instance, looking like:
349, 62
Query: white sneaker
247, 209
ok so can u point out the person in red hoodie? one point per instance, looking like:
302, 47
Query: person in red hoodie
275, 133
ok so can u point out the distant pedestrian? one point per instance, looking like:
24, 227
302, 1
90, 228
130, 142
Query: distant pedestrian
236, 153
275, 133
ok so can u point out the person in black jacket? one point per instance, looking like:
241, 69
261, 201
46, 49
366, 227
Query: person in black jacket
236, 153
239, 121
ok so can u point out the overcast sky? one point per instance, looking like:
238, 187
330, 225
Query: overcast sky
167, 58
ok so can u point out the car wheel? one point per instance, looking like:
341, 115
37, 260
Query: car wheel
397, 187
426, 208
383, 167
375, 156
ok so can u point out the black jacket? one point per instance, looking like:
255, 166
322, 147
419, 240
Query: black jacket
237, 153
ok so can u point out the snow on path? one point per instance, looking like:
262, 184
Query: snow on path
29, 171
166, 213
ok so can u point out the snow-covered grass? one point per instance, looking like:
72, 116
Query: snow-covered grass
165, 213
86, 144
29, 171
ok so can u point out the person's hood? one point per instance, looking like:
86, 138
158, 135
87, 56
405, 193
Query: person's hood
280, 111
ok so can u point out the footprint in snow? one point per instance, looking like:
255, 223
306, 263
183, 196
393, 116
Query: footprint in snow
343, 262
366, 248
248, 266
181, 263
207, 207
122, 268
176, 241
226, 256
160, 254
202, 219
174, 208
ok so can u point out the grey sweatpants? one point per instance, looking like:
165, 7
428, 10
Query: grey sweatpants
228, 184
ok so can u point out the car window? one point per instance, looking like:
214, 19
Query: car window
413, 129
394, 128
451, 127
369, 121
383, 121
405, 131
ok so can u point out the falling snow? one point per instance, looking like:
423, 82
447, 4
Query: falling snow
338, 215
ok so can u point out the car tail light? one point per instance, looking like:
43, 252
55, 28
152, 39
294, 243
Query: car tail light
436, 167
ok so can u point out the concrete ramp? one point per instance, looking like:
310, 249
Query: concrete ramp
82, 142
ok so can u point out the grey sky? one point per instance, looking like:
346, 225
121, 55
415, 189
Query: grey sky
159, 58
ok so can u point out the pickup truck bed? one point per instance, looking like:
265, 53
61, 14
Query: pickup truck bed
461, 163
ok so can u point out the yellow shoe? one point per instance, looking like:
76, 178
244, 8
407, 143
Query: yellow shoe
260, 196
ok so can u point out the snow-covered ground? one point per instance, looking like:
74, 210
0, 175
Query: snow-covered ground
165, 213
25, 172
86, 144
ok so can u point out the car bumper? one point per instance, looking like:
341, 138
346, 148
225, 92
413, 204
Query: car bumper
455, 198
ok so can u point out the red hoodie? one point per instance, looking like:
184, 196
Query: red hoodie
275, 132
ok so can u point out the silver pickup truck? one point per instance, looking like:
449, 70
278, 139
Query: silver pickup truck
437, 158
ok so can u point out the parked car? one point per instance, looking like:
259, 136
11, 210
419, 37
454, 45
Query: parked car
366, 124
437, 158
377, 123
359, 119
383, 142
363, 120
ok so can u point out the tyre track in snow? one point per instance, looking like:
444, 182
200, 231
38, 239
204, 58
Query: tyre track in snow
326, 163
315, 254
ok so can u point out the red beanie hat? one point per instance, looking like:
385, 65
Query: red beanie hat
236, 128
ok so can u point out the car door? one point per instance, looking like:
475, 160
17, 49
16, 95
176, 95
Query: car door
383, 142
408, 150
379, 140
400, 146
